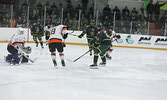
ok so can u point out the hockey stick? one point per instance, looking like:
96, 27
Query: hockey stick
81, 56
72, 34
7, 41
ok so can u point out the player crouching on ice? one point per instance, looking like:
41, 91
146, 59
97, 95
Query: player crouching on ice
16, 49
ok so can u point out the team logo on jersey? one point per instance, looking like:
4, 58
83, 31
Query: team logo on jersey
129, 39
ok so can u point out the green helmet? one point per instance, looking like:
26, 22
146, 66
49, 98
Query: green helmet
99, 25
110, 27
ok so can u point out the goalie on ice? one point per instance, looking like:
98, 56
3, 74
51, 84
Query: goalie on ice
16, 49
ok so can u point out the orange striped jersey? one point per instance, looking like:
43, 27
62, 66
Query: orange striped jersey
57, 32
17, 39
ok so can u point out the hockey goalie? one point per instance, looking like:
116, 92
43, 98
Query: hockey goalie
18, 53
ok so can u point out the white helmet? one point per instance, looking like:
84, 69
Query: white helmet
20, 31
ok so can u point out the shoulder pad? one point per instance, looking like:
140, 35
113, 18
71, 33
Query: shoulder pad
64, 26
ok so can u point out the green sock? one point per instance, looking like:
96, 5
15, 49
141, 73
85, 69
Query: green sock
95, 59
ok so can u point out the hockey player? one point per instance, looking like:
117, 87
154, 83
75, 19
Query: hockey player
16, 48
90, 32
100, 44
37, 32
58, 34
112, 35
47, 30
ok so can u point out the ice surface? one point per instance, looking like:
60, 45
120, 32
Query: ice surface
132, 74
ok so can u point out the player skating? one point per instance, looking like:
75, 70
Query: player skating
16, 49
100, 44
58, 34
90, 32
37, 32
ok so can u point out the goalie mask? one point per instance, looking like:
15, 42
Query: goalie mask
27, 50
20, 31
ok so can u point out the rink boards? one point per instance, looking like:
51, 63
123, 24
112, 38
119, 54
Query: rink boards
127, 40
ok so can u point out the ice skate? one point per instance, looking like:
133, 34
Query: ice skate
93, 66
108, 57
55, 63
90, 53
37, 45
13, 62
63, 63
102, 64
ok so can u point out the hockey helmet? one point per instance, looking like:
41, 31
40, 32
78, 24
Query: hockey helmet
110, 27
20, 31
99, 26
92, 21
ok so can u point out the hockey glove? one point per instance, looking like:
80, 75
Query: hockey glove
65, 36
64, 45
80, 36
32, 33
118, 36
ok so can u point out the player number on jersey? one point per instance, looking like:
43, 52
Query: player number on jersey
53, 31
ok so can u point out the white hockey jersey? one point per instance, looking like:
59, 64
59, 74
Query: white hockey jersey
57, 32
46, 28
113, 34
16, 39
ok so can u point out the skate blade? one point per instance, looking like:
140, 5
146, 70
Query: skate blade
70, 60
56, 67
102, 65
93, 67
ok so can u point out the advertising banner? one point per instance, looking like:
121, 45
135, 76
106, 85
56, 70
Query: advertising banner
141, 41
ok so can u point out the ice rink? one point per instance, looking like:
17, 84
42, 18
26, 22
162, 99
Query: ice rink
132, 74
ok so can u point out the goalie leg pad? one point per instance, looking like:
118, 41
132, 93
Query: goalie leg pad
25, 60
16, 58
8, 58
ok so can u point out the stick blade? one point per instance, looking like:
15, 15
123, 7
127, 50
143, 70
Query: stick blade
70, 60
